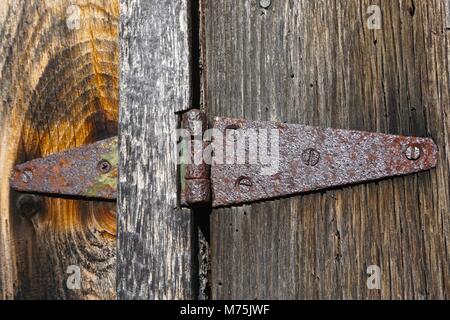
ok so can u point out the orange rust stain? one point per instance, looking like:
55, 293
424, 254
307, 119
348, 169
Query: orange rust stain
372, 158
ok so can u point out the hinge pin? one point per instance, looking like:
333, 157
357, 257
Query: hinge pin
198, 187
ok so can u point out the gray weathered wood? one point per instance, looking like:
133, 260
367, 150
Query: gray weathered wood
317, 63
155, 259
447, 8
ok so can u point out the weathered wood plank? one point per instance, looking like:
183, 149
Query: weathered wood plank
155, 239
447, 8
317, 63
59, 89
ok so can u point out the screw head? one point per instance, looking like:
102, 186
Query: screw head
413, 152
311, 157
232, 133
27, 176
244, 184
104, 166
265, 3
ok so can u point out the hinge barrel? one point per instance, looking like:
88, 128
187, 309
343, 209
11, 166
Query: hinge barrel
197, 176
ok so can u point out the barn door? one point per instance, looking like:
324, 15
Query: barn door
367, 65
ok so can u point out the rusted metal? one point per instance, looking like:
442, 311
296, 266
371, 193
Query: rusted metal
307, 159
312, 158
198, 192
196, 189
88, 171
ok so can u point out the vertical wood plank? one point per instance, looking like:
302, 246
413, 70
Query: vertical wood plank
447, 8
155, 258
317, 63
59, 89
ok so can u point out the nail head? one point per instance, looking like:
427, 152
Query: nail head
413, 152
265, 3
27, 176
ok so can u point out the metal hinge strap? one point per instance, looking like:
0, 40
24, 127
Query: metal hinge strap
283, 160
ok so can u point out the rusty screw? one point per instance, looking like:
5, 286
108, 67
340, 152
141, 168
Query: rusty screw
104, 166
311, 157
27, 176
413, 153
244, 184
233, 132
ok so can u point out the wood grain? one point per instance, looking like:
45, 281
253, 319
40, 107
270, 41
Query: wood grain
447, 8
317, 63
59, 89
155, 238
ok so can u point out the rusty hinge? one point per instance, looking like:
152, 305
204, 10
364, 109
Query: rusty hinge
88, 171
239, 161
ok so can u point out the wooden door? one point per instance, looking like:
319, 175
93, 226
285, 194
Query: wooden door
327, 63
75, 72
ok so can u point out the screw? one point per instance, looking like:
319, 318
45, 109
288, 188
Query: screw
234, 133
265, 3
27, 176
413, 153
29, 205
104, 166
244, 184
311, 157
